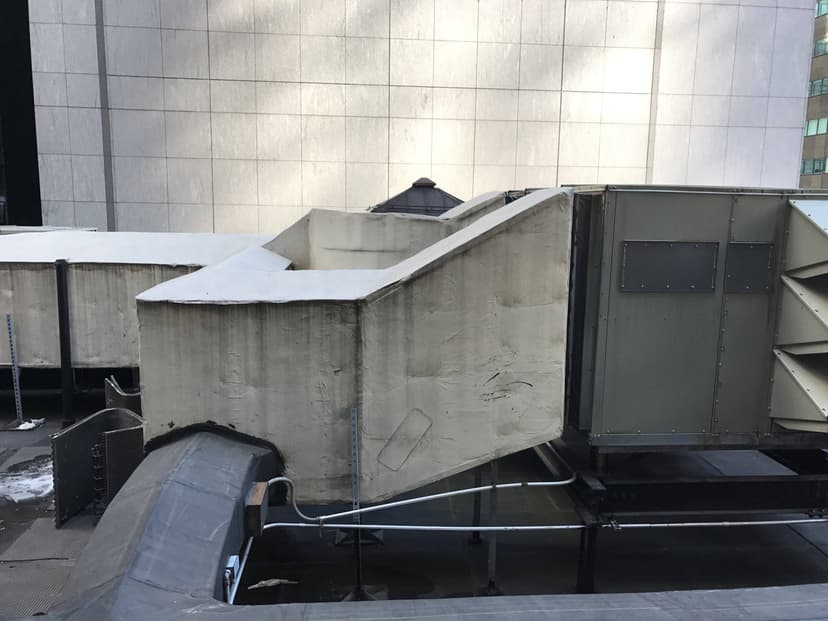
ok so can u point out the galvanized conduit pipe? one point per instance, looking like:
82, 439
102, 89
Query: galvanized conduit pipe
425, 527
724, 523
322, 519
614, 526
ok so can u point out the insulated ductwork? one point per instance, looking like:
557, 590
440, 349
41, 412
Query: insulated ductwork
447, 335
105, 273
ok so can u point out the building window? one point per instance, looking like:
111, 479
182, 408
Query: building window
813, 167
819, 87
821, 7
815, 127
820, 47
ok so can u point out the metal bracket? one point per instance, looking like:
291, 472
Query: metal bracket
230, 576
18, 404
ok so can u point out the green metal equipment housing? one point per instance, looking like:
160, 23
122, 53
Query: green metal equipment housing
675, 304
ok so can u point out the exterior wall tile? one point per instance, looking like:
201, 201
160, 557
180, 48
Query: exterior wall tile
185, 54
242, 114
78, 12
187, 14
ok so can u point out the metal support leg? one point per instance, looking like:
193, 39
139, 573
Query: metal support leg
475, 536
491, 587
358, 593
586, 559
359, 586
18, 404
67, 380
599, 461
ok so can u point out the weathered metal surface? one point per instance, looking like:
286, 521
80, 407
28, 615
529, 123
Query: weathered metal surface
803, 316
747, 327
799, 399
800, 392
808, 225
123, 451
74, 465
117, 397
679, 369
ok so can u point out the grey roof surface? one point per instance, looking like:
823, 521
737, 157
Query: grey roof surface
159, 547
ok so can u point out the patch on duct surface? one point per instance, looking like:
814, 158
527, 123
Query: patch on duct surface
404, 440
749, 268
669, 266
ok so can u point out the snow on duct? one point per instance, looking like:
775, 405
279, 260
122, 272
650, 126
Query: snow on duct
105, 273
453, 355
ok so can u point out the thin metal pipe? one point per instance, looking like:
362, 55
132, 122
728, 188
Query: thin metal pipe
725, 523
539, 527
232, 595
425, 527
410, 501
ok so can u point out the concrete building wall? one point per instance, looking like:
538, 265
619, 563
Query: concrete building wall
814, 147
241, 115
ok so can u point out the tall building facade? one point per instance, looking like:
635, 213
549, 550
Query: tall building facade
814, 146
239, 115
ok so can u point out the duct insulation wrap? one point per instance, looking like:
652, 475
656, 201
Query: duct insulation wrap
453, 356
106, 272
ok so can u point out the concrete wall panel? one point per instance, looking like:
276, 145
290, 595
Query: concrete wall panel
332, 86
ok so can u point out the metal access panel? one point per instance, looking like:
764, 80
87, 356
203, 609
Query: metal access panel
689, 364
750, 267
668, 266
